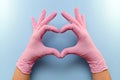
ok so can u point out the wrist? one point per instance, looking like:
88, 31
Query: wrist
97, 65
95, 60
25, 62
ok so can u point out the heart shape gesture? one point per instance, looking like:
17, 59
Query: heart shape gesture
84, 48
78, 26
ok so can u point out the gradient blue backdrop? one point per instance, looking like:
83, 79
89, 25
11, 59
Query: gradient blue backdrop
103, 24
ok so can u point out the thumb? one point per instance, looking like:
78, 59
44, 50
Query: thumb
52, 51
67, 51
72, 27
45, 28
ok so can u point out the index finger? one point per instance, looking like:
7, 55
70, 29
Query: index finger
69, 18
48, 19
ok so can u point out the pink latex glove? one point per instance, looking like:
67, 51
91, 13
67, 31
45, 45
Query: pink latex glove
36, 48
85, 47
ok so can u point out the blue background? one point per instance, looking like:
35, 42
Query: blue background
103, 24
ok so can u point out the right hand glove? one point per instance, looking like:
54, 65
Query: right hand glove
85, 47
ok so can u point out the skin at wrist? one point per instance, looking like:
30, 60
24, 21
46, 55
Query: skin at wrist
104, 75
18, 75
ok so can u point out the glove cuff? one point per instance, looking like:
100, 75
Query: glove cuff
25, 63
97, 66
96, 61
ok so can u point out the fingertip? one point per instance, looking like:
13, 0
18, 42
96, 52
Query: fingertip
63, 13
76, 8
33, 22
33, 19
54, 14
56, 30
61, 31
67, 27
49, 18
62, 54
83, 15
64, 29
52, 28
44, 11
56, 53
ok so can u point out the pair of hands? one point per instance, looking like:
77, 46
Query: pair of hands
77, 25
84, 48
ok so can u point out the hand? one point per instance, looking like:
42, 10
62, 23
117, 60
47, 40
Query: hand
85, 47
36, 48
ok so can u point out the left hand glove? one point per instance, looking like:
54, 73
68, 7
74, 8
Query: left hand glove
36, 49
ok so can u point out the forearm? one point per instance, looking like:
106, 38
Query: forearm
18, 75
104, 75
